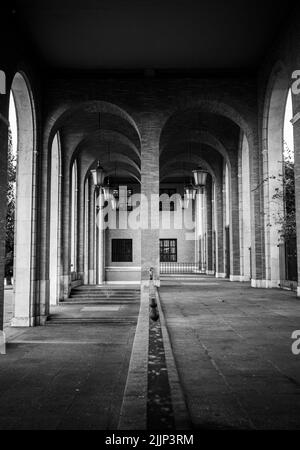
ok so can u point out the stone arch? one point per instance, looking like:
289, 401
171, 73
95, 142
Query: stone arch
55, 220
197, 160
219, 108
74, 215
205, 133
245, 212
57, 118
272, 139
106, 136
25, 262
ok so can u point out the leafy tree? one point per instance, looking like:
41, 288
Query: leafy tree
11, 204
286, 195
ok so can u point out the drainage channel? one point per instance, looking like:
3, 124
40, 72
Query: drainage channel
160, 415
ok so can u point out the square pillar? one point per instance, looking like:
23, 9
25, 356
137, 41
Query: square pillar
150, 132
3, 190
296, 124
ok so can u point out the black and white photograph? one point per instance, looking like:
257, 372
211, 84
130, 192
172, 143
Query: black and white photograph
149, 218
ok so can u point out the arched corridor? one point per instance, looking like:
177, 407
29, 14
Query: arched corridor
149, 214
115, 231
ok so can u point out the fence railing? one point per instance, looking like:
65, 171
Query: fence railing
179, 268
288, 264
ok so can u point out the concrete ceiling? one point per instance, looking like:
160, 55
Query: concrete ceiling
155, 34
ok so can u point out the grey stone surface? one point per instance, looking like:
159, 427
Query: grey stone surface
232, 347
65, 376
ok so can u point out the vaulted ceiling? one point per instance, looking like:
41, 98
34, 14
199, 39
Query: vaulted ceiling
155, 34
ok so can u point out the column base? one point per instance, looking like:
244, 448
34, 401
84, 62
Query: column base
28, 321
210, 272
22, 322
245, 278
267, 284
235, 278
91, 277
65, 286
220, 275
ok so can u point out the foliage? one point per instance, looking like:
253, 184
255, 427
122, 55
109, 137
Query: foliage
286, 195
11, 204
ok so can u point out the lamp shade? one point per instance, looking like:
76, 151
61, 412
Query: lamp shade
189, 192
98, 175
184, 202
107, 193
200, 177
114, 202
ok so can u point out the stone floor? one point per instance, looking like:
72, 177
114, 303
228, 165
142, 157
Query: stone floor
232, 347
65, 376
231, 344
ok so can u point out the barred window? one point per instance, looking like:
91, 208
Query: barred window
168, 250
121, 250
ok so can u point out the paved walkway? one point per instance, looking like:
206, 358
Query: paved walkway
65, 376
232, 347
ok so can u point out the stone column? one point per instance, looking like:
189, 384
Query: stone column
100, 239
220, 269
257, 217
209, 235
197, 233
86, 233
235, 271
150, 132
3, 190
54, 224
81, 223
65, 277
296, 123
91, 231
29, 308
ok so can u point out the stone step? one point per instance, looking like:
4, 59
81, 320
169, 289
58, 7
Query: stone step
102, 295
88, 320
106, 297
98, 292
110, 293
107, 288
83, 300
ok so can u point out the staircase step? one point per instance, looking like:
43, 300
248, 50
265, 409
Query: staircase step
81, 301
102, 295
105, 294
88, 320
87, 294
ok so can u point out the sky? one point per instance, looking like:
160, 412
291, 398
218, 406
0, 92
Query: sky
13, 123
288, 135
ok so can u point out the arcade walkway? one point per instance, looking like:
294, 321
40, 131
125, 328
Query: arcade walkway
66, 376
232, 347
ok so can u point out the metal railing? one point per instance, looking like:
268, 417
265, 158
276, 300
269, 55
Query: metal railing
288, 264
181, 267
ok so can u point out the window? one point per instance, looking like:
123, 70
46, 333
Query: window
168, 250
123, 194
166, 204
121, 250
